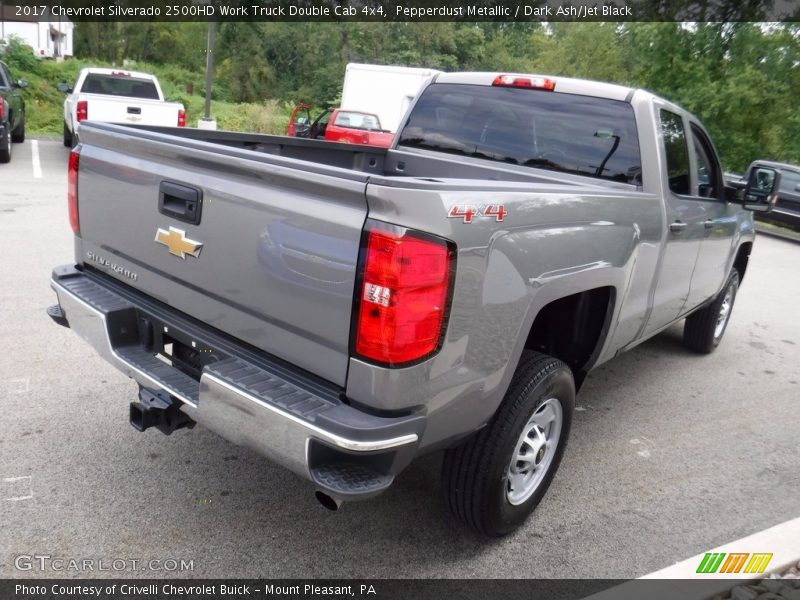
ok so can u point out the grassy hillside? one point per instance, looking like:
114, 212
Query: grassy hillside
44, 103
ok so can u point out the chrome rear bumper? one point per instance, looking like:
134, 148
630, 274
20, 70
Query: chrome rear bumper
283, 414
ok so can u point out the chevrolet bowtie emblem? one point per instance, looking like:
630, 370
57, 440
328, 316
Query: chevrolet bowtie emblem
178, 243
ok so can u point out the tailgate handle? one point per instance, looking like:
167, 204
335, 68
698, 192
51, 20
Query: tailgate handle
134, 110
180, 202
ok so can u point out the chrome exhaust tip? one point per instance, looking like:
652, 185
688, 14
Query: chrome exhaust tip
327, 501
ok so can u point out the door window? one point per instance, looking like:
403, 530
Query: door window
673, 135
708, 169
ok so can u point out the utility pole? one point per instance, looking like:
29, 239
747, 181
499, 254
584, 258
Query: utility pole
207, 122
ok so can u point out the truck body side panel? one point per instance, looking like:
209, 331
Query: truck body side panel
555, 240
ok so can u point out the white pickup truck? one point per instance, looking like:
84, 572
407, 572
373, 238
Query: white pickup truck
117, 96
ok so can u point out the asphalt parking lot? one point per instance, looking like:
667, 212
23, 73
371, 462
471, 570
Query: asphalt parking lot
671, 453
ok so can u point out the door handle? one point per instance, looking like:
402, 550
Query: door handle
180, 202
677, 226
708, 224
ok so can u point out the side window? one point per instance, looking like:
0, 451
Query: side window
674, 138
5, 81
790, 182
708, 171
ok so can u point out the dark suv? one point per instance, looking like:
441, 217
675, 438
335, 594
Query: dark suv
12, 112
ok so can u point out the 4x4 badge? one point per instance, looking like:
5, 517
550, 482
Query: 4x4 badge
178, 243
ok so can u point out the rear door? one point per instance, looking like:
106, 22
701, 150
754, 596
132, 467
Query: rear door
268, 253
788, 205
685, 223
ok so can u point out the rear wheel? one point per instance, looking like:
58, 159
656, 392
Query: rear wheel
67, 136
18, 135
495, 480
5, 145
704, 329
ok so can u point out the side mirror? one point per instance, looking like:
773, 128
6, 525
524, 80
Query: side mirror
22, 83
64, 88
760, 193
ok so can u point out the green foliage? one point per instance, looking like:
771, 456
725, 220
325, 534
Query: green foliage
741, 79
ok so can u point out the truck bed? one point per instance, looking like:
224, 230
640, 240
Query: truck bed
272, 257
432, 166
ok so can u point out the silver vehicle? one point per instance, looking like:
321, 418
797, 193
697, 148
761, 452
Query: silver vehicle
343, 309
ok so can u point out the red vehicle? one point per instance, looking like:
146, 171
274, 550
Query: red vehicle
339, 125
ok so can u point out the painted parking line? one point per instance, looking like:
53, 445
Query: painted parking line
16, 489
709, 573
37, 165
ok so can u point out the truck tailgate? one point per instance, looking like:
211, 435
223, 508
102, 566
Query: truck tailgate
110, 109
272, 260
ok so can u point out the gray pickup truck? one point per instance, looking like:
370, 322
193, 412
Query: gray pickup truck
343, 309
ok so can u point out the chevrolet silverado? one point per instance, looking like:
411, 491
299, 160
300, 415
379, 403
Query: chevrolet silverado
116, 96
343, 309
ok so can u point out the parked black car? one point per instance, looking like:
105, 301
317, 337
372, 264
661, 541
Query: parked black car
787, 209
12, 112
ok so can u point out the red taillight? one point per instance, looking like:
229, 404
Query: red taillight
82, 111
537, 83
181, 118
72, 191
403, 297
2, 109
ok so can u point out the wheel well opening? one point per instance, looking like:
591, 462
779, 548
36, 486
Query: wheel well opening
742, 256
572, 329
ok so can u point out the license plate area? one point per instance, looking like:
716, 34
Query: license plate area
176, 348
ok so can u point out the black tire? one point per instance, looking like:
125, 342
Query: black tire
475, 475
5, 155
18, 135
67, 137
700, 332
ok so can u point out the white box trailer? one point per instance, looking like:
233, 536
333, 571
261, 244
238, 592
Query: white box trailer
386, 91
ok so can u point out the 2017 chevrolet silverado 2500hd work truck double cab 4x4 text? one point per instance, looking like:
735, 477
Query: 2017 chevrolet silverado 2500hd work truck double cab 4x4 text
117, 96
12, 112
343, 309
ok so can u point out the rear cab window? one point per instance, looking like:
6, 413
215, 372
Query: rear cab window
356, 120
119, 85
569, 133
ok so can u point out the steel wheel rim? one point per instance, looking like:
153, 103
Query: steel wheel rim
534, 452
724, 312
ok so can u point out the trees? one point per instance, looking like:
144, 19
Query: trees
742, 79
